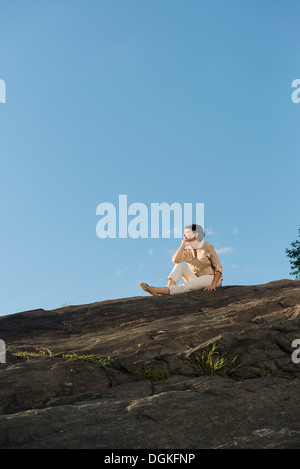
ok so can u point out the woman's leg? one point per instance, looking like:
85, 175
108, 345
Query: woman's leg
179, 270
199, 283
171, 282
161, 290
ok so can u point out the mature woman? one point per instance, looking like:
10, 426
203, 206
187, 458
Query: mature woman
204, 271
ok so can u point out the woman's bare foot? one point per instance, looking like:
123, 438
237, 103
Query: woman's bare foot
154, 291
161, 290
148, 289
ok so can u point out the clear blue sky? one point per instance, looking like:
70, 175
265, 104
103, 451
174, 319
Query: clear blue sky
164, 101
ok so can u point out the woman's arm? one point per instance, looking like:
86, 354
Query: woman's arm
214, 282
178, 254
217, 266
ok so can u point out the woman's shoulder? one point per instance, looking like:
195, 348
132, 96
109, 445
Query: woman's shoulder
208, 247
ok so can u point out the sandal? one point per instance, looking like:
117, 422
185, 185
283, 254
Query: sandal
148, 289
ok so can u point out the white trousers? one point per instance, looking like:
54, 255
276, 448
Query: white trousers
191, 281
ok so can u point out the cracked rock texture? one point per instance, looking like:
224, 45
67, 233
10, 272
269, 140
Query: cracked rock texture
150, 395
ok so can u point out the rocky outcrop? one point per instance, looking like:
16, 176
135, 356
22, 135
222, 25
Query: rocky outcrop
135, 372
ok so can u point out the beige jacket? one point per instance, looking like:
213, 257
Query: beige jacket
206, 262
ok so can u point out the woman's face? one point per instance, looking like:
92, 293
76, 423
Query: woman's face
188, 235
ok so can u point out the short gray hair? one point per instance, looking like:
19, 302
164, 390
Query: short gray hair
196, 229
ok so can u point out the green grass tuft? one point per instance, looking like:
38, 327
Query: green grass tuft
214, 362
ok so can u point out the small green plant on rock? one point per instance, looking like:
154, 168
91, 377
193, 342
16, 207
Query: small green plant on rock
156, 375
212, 362
66, 305
25, 354
88, 358
153, 375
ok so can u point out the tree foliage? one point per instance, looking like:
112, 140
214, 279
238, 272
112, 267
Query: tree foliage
294, 255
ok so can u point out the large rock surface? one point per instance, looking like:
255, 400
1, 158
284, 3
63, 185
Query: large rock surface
48, 401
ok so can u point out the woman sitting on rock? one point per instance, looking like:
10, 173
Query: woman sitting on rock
204, 271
